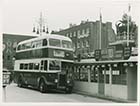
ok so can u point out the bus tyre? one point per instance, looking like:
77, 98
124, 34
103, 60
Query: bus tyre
20, 82
42, 87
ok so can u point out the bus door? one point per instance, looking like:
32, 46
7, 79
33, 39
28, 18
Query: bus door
66, 67
101, 83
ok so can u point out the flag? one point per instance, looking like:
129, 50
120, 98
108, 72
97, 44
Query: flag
100, 16
129, 8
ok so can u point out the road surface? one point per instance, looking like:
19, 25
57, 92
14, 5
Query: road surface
13, 93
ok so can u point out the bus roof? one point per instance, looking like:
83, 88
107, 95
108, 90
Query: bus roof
47, 36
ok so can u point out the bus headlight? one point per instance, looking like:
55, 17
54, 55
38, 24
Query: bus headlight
68, 81
56, 81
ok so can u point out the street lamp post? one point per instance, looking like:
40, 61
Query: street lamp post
41, 27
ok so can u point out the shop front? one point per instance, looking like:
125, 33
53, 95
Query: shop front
113, 79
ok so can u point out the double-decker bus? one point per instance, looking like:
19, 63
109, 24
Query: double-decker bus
45, 62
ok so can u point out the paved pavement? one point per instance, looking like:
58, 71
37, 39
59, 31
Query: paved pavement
15, 94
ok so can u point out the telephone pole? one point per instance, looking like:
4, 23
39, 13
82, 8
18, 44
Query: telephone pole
100, 31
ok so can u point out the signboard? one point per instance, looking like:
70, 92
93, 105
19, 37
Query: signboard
59, 53
118, 54
110, 53
126, 52
97, 54
6, 78
115, 72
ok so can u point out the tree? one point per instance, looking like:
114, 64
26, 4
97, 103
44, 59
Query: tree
121, 25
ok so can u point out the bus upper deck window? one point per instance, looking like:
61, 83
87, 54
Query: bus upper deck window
66, 44
45, 42
23, 46
54, 42
19, 47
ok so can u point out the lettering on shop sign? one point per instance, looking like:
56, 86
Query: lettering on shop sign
110, 52
105, 72
116, 72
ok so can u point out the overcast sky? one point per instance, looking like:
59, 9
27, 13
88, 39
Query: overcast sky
20, 15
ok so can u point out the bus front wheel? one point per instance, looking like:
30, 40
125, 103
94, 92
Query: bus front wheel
42, 87
68, 90
20, 82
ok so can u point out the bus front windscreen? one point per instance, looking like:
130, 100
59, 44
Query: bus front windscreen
54, 65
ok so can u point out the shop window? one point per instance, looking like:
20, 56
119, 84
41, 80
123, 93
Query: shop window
83, 74
119, 74
93, 74
107, 74
101, 74
76, 73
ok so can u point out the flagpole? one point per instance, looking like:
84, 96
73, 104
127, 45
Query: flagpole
100, 45
40, 23
128, 25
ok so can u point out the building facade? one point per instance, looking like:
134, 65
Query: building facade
126, 37
86, 37
10, 42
